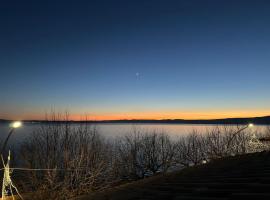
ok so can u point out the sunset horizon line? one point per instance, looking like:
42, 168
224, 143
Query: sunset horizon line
135, 119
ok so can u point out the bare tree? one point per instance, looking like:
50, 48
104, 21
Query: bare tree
76, 158
226, 141
190, 149
131, 158
159, 152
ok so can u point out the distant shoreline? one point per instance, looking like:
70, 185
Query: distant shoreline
227, 121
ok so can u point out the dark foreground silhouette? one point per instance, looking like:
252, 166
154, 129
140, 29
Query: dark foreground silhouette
239, 177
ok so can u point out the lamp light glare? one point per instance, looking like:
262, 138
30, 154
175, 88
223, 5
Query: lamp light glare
204, 161
16, 124
250, 125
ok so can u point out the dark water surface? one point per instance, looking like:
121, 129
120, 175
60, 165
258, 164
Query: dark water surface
113, 130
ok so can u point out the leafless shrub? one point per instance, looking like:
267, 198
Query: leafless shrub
190, 149
226, 141
144, 153
77, 159
158, 152
130, 157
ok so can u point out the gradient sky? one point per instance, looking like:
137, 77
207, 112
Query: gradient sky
135, 59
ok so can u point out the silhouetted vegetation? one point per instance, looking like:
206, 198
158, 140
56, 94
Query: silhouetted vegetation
80, 160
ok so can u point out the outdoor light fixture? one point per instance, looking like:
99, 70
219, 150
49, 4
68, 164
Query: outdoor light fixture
13, 125
7, 182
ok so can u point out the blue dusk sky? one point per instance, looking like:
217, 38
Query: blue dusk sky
134, 59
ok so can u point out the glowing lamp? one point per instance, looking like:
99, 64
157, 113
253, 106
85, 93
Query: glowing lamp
250, 125
16, 124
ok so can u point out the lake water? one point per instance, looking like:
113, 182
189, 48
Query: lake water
113, 130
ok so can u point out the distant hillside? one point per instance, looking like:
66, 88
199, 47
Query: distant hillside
255, 120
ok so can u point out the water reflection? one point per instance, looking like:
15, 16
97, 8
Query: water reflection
113, 130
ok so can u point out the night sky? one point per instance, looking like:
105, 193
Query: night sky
135, 59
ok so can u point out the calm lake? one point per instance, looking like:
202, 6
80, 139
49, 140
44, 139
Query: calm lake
113, 130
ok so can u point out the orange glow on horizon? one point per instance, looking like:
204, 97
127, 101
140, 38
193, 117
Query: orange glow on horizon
150, 115
175, 115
